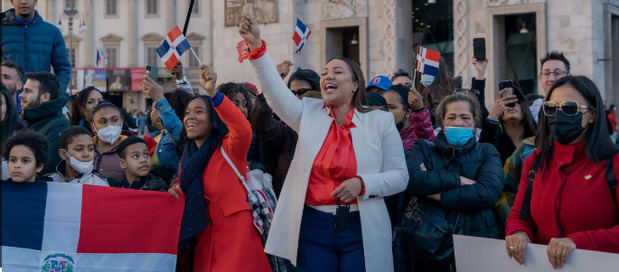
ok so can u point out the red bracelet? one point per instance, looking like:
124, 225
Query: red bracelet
245, 53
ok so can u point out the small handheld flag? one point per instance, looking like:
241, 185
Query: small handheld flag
428, 61
173, 47
301, 34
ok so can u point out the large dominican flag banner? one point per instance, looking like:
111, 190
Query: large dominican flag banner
428, 61
173, 47
72, 227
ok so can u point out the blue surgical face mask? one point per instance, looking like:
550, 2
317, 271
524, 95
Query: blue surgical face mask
458, 136
426, 80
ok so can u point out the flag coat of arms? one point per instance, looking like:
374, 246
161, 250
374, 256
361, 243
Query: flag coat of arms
73, 227
173, 47
301, 34
428, 61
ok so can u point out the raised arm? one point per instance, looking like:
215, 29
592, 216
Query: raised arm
170, 121
279, 97
237, 141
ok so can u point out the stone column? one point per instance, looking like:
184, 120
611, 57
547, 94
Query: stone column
462, 55
90, 47
404, 34
389, 37
132, 33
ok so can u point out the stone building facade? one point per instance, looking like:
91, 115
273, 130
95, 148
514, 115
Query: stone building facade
378, 33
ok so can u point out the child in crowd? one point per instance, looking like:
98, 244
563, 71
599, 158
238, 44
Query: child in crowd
107, 124
26, 153
77, 151
135, 161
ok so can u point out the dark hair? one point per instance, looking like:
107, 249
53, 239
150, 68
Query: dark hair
178, 100
122, 147
11, 121
218, 127
599, 146
14, 65
67, 135
360, 99
532, 97
378, 101
79, 103
555, 55
103, 105
441, 110
231, 89
441, 87
402, 92
36, 142
48, 83
530, 126
306, 75
400, 72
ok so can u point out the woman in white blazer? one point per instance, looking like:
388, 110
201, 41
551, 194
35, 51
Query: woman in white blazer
347, 155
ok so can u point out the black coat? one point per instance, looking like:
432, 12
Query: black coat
444, 166
48, 120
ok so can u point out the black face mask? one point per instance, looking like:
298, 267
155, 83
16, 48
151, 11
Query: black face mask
399, 125
565, 128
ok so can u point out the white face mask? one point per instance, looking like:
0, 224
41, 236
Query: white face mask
109, 134
80, 166
426, 80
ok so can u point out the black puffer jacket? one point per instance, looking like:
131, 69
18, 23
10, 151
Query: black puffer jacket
444, 165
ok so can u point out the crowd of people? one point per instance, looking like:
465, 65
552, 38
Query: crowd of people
374, 177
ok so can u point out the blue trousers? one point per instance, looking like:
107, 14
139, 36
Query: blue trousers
323, 249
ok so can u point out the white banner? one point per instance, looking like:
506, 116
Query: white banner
486, 255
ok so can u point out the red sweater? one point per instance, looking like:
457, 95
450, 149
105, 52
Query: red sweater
573, 192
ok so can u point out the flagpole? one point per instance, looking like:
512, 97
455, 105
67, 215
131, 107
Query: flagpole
188, 17
416, 64
196, 56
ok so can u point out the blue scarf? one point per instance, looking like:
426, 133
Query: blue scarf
194, 162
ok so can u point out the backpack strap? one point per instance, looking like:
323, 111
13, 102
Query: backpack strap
526, 202
611, 178
236, 171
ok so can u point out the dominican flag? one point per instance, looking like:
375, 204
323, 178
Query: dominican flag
427, 61
173, 47
63, 227
301, 34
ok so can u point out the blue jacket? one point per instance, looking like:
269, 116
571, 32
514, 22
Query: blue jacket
35, 47
167, 151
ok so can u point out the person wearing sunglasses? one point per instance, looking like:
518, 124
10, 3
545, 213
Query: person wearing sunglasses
569, 202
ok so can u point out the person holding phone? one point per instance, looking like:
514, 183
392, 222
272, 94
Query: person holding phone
509, 121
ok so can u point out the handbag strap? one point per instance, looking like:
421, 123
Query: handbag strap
236, 170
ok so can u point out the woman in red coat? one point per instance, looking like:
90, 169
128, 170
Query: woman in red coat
570, 203
216, 210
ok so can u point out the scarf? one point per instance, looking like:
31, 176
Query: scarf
193, 165
408, 137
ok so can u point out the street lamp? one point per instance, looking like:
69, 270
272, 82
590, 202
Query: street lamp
71, 13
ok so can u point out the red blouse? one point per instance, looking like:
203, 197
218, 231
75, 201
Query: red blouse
334, 164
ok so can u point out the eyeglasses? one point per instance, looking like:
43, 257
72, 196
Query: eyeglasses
301, 91
569, 107
555, 74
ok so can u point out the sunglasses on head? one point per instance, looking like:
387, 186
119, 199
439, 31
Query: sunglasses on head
569, 107
301, 91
